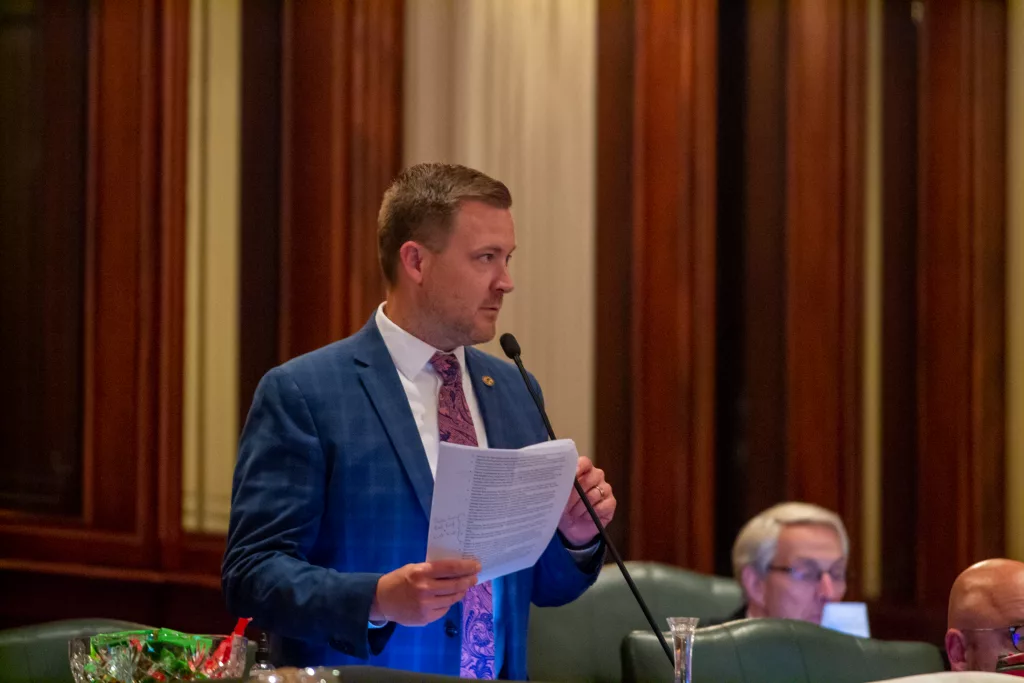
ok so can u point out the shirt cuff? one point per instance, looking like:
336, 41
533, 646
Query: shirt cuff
376, 624
586, 553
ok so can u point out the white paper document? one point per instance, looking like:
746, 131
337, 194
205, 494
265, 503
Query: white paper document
848, 617
499, 506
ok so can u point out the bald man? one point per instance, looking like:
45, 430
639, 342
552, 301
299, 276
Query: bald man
986, 615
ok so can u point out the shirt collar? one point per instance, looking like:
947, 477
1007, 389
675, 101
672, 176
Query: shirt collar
410, 354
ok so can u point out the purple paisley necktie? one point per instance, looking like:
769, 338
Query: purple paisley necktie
455, 425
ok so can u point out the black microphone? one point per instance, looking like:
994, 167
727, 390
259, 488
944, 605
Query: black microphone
511, 348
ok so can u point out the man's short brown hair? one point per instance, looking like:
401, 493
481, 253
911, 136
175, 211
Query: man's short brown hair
421, 204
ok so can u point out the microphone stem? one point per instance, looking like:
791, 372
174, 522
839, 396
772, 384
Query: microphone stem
597, 521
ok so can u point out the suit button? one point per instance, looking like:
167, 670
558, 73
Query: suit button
450, 629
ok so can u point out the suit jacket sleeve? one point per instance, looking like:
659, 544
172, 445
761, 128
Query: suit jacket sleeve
277, 503
557, 577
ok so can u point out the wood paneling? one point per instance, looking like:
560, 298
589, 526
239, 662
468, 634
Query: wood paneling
672, 485
261, 195
42, 193
899, 303
123, 303
824, 170
615, 45
133, 597
961, 291
764, 257
825, 115
341, 134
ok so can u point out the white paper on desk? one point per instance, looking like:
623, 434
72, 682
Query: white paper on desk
500, 506
847, 617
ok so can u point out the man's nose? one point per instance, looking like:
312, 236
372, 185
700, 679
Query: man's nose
827, 587
505, 284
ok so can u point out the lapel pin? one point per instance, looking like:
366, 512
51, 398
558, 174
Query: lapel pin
488, 380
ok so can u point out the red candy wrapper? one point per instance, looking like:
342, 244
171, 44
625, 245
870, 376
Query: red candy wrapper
223, 651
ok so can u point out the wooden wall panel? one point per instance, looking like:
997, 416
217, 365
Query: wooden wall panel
341, 134
672, 485
824, 167
961, 291
124, 300
260, 190
615, 47
826, 77
899, 303
764, 354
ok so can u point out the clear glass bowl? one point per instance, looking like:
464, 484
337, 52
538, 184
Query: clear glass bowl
155, 656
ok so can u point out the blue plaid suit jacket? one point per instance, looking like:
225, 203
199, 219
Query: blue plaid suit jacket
332, 489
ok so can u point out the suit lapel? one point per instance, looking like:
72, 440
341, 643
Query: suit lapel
379, 377
489, 398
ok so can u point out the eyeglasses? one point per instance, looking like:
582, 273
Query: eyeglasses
1015, 633
810, 573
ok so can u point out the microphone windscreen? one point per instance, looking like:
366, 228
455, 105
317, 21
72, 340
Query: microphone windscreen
509, 345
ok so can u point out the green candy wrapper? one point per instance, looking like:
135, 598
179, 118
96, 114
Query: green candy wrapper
155, 656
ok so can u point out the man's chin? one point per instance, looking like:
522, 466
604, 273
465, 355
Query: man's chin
482, 334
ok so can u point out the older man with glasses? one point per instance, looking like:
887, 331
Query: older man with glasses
791, 561
986, 615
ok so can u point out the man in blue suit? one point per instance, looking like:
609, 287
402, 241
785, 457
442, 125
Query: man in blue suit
333, 485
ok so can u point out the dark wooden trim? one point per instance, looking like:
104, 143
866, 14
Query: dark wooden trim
89, 571
764, 257
961, 291
615, 46
673, 339
899, 300
851, 321
260, 210
141, 597
61, 210
173, 113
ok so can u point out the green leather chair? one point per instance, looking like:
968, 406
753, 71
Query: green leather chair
39, 654
581, 641
779, 651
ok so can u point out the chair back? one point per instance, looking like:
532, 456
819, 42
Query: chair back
780, 651
581, 641
39, 653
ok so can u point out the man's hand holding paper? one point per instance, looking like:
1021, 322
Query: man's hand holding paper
575, 524
502, 507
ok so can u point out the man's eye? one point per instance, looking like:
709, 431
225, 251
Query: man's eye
487, 258
804, 573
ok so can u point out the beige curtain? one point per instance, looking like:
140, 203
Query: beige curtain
210, 422
508, 87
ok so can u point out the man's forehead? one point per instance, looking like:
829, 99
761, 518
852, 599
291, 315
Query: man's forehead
478, 221
809, 541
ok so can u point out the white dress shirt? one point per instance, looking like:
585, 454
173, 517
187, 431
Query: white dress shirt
422, 383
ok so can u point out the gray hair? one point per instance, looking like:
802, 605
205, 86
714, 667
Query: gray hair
759, 538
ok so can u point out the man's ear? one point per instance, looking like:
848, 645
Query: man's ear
753, 587
956, 649
411, 256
